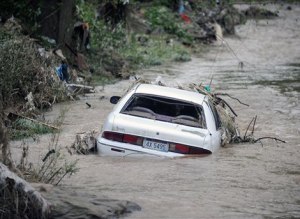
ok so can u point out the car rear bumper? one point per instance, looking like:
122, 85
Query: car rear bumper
112, 148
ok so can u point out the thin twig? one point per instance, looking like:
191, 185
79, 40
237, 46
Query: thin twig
276, 139
229, 107
225, 94
211, 80
254, 125
54, 174
61, 178
248, 128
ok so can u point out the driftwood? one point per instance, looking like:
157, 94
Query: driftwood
89, 105
14, 116
79, 88
18, 199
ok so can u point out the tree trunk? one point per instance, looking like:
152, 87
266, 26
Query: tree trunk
57, 19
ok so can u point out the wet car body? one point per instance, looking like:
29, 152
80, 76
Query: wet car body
163, 121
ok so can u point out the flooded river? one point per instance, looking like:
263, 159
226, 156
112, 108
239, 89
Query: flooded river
238, 181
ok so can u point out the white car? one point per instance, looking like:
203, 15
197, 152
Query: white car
163, 121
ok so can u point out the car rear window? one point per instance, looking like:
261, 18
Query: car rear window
165, 109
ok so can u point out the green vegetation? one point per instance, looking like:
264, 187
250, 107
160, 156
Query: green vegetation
154, 51
261, 1
23, 128
162, 17
28, 12
103, 36
137, 54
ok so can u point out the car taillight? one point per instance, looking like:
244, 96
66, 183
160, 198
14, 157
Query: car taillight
113, 136
184, 149
194, 150
179, 148
132, 139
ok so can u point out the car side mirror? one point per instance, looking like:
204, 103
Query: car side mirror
114, 99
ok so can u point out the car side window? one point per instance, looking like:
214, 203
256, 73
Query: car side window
215, 114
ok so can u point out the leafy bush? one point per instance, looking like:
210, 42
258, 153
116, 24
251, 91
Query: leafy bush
23, 128
155, 52
162, 17
27, 11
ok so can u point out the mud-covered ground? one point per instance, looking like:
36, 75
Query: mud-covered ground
238, 181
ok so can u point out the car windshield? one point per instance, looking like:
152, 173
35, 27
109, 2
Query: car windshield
165, 109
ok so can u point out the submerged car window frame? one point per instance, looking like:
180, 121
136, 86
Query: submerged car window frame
216, 115
198, 108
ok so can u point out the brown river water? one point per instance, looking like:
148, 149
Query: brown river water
239, 180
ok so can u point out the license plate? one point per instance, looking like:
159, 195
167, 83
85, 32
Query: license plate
155, 145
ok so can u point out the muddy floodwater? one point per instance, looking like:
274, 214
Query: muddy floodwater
261, 67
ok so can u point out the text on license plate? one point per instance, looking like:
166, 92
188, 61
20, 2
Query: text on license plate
154, 145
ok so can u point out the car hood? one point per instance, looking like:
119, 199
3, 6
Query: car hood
160, 130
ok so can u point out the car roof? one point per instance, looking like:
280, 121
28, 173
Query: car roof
171, 92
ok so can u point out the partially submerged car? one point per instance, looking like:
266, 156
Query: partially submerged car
163, 121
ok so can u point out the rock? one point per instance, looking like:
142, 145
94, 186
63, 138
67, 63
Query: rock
228, 18
68, 203
255, 12
228, 24
18, 199
116, 65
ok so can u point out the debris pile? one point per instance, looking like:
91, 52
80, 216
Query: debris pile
27, 75
260, 13
227, 114
85, 143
